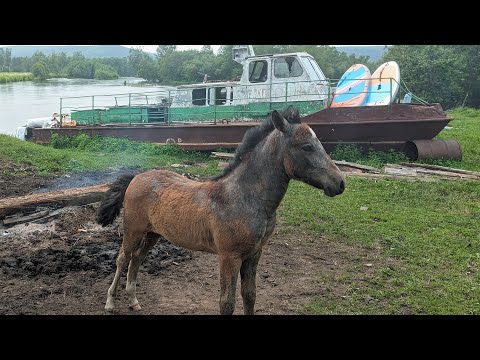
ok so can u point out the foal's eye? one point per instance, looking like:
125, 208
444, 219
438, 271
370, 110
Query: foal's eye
307, 147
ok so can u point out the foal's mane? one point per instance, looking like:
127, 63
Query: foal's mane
255, 135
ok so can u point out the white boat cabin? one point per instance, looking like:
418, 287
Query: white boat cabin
280, 78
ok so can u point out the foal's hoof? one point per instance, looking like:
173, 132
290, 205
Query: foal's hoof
135, 307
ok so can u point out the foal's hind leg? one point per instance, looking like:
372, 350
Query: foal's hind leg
248, 273
130, 241
229, 267
112, 290
138, 255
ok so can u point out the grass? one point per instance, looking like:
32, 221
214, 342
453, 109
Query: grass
14, 76
431, 230
86, 154
465, 129
425, 235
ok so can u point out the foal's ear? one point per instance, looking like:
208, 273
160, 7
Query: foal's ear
292, 115
279, 121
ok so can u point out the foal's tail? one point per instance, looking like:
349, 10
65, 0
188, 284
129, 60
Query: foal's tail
113, 200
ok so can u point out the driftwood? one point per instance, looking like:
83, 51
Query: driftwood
77, 196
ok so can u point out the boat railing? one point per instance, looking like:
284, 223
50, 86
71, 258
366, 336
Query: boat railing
91, 109
213, 102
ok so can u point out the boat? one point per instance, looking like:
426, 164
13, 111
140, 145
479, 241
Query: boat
214, 114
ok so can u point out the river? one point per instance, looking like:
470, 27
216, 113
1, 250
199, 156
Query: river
20, 101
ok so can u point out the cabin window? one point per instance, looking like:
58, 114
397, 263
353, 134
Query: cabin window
312, 69
287, 66
220, 95
199, 96
258, 71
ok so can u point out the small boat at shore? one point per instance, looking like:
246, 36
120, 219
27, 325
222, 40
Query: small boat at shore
211, 115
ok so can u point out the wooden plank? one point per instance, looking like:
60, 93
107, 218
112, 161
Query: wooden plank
438, 167
22, 219
395, 169
358, 166
77, 196
399, 170
222, 155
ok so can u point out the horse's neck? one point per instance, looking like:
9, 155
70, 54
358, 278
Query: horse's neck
262, 177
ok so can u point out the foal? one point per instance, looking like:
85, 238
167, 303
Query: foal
231, 215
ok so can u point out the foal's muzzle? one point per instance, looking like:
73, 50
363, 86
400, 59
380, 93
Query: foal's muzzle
334, 191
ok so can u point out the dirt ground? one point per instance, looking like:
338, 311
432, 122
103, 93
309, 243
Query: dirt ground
65, 264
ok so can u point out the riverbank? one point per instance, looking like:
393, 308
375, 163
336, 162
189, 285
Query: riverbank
6, 77
385, 246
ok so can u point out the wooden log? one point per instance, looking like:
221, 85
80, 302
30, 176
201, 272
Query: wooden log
77, 196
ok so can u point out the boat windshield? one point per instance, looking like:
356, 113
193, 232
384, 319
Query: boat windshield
312, 68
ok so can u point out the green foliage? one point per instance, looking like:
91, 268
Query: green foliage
373, 158
112, 145
179, 67
163, 50
61, 65
40, 70
46, 160
81, 68
447, 74
83, 153
105, 72
13, 77
5, 59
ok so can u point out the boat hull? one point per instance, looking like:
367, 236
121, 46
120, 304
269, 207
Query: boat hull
379, 127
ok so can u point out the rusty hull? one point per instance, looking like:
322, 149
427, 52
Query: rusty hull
379, 127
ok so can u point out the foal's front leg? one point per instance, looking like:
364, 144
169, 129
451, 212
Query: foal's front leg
229, 268
248, 273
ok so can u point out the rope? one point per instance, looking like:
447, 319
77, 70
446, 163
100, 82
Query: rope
405, 88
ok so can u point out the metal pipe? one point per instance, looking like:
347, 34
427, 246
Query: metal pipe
433, 149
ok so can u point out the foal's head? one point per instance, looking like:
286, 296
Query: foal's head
305, 158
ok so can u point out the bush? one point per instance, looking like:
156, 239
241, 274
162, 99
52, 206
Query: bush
105, 72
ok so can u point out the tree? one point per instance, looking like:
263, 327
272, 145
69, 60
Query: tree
148, 70
40, 70
2, 59
82, 69
8, 58
135, 57
105, 72
435, 73
163, 50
